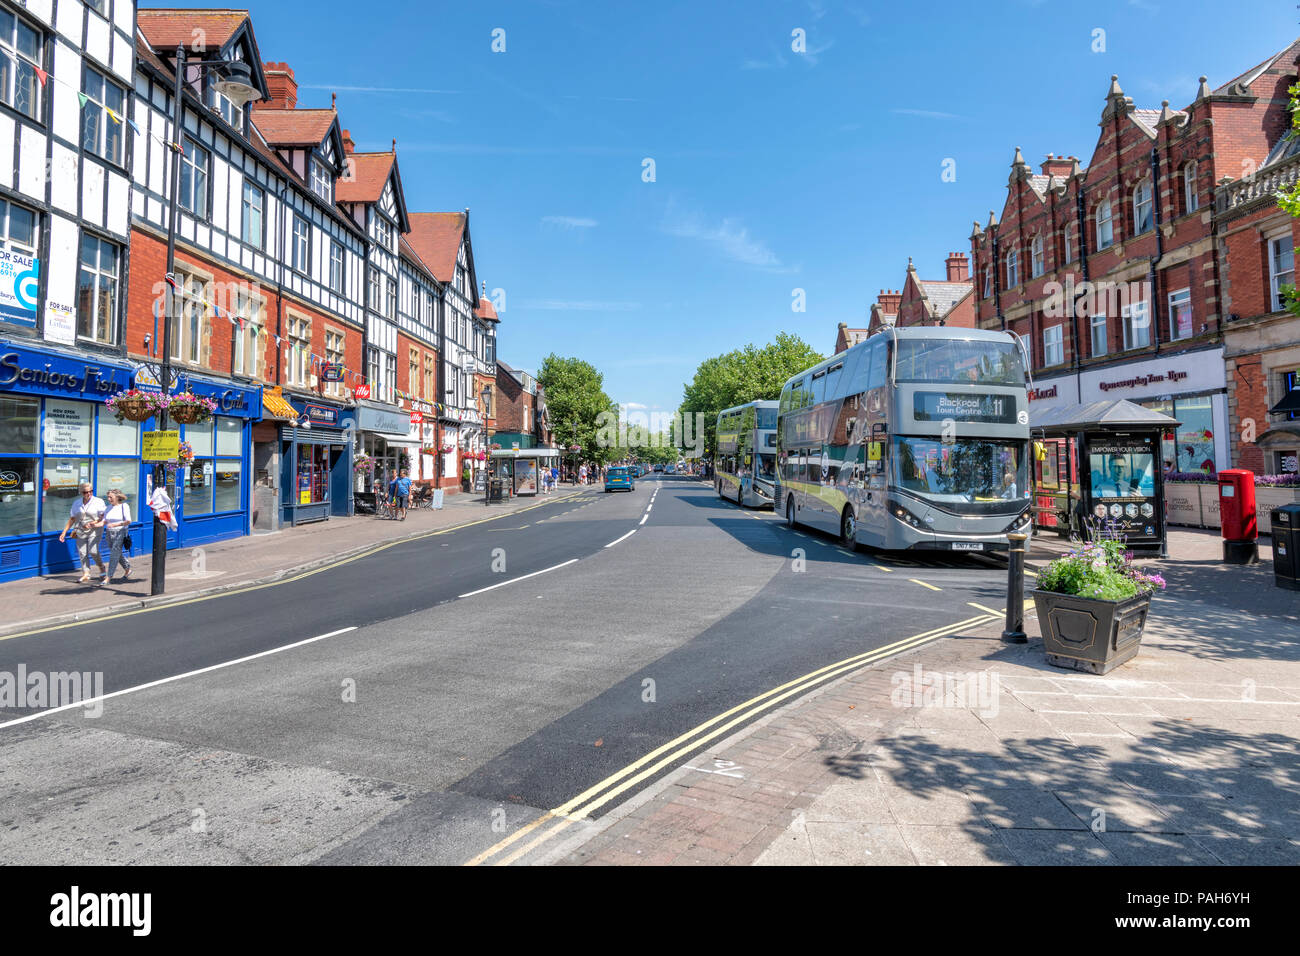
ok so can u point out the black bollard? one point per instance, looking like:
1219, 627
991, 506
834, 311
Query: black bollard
1015, 629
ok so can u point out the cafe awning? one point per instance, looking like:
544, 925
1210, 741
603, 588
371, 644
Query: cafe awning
1290, 404
274, 406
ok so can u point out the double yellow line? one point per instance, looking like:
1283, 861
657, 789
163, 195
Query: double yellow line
592, 799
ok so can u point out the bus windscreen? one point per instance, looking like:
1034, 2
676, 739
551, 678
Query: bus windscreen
959, 362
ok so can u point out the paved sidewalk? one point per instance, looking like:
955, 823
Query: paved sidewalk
1189, 754
45, 601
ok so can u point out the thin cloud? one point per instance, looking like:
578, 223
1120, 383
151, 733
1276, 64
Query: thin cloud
731, 239
928, 114
570, 222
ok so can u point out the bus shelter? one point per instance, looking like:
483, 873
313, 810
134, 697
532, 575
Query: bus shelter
1097, 467
518, 471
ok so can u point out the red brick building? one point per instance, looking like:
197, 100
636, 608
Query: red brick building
947, 301
1108, 269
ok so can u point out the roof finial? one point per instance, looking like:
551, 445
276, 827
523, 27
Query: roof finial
1203, 91
394, 144
334, 102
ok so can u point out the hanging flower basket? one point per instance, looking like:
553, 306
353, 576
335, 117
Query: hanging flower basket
363, 464
187, 408
133, 404
186, 453
448, 449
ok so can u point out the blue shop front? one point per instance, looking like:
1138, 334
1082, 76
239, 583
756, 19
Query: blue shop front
316, 462
55, 433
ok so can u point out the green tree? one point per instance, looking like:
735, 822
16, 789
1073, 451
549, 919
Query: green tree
576, 398
743, 375
1289, 199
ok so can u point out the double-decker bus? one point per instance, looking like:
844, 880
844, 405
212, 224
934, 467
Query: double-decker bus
744, 464
915, 438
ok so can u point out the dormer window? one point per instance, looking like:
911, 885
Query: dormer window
322, 181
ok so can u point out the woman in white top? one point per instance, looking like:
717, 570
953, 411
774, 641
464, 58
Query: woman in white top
117, 522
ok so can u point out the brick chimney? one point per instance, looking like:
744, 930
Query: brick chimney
281, 87
890, 301
958, 267
348, 145
1055, 165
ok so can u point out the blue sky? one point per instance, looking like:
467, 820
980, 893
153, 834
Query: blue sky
775, 169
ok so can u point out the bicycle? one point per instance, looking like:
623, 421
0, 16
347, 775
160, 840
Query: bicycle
385, 507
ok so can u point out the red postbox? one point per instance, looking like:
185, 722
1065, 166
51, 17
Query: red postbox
1237, 513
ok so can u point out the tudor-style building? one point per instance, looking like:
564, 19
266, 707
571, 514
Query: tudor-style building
269, 271
468, 341
64, 235
1108, 270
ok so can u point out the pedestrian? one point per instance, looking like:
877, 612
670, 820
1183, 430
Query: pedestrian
117, 522
582, 473
86, 522
465, 475
400, 491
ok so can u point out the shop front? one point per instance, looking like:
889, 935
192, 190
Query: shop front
316, 471
213, 491
385, 435
55, 433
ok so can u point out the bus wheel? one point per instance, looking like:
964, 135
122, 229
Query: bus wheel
849, 529
789, 510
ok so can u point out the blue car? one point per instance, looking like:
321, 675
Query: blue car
619, 479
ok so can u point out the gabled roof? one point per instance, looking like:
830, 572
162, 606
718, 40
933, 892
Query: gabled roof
486, 310
166, 29
370, 173
1238, 84
436, 239
944, 295
1147, 120
410, 255
294, 127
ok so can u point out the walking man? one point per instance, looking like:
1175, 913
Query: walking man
86, 524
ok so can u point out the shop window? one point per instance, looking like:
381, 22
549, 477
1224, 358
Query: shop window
117, 438
60, 488
1180, 314
1137, 326
1100, 336
19, 424
18, 230
227, 488
97, 291
334, 356
1143, 218
1105, 226
1053, 346
21, 52
200, 438
1195, 434
313, 474
17, 496
1281, 268
101, 134
121, 474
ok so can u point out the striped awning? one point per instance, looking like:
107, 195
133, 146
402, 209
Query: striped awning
274, 406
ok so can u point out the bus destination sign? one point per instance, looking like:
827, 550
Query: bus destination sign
964, 407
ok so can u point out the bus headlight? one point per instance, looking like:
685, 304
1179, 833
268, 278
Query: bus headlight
902, 514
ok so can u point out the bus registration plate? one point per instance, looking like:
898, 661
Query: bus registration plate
968, 545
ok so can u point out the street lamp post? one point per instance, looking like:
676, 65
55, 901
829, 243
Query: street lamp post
236, 84
487, 448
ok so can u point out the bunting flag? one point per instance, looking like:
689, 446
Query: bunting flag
113, 116
41, 75
131, 123
83, 99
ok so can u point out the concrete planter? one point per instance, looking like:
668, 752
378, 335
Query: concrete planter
1087, 634
1210, 506
1183, 504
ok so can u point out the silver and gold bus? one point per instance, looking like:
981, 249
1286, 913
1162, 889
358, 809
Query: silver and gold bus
915, 438
744, 463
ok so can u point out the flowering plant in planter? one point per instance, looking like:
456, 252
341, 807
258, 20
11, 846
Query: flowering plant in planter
1092, 605
1192, 477
1101, 569
188, 408
363, 463
1278, 481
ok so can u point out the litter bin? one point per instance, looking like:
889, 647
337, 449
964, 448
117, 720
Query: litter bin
1286, 546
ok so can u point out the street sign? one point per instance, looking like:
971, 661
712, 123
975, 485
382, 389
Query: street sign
161, 446
362, 391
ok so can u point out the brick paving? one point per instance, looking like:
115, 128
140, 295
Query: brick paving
1185, 755
240, 561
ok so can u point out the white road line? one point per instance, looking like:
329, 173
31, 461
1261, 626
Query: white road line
501, 584
167, 680
644, 518
624, 538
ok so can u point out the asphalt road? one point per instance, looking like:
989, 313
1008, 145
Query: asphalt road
461, 701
